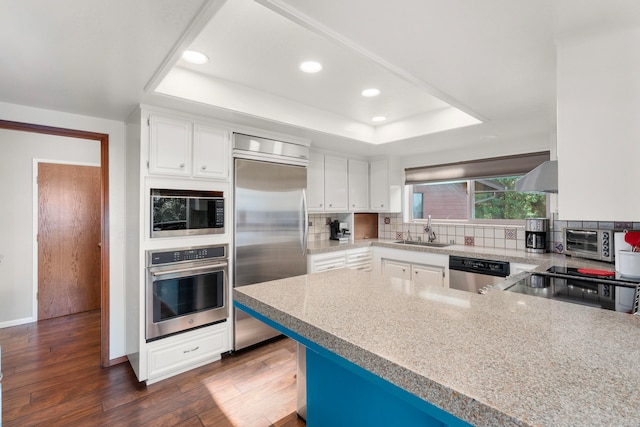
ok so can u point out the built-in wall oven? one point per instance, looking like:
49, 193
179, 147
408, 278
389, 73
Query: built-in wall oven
186, 288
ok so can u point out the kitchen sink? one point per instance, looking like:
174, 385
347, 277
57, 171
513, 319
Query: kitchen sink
418, 243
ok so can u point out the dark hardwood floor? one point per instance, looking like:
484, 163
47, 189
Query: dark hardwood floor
52, 377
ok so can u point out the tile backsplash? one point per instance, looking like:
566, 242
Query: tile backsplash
556, 243
391, 226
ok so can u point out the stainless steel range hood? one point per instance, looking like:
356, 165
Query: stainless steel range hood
544, 178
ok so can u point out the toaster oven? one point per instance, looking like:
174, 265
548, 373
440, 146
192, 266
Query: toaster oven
589, 243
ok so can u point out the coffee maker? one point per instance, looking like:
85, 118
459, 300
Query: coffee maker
339, 231
535, 234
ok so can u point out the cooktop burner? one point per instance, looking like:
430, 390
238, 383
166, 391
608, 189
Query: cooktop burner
589, 274
596, 288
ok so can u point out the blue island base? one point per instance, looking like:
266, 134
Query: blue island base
341, 393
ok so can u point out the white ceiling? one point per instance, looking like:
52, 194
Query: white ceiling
493, 59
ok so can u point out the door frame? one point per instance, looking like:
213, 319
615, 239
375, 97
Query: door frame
36, 226
104, 216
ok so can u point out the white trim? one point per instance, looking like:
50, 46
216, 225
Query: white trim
16, 322
34, 236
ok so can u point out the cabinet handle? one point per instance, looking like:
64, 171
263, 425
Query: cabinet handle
181, 165
204, 167
193, 349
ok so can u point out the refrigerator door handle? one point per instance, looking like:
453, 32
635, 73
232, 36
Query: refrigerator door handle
305, 226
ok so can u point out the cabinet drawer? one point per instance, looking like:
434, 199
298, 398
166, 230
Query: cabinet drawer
327, 265
176, 356
358, 257
361, 265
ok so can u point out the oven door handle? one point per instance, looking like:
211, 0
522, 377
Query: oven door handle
211, 267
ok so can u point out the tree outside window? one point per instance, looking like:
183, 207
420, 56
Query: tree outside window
484, 199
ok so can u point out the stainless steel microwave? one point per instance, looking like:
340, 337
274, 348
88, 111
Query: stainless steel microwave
589, 243
186, 213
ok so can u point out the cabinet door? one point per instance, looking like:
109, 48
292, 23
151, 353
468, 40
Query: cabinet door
335, 184
427, 274
169, 146
393, 268
358, 185
315, 182
211, 152
380, 185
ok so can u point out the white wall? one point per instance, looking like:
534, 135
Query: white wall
16, 224
16, 191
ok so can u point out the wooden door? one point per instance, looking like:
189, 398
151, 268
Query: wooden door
68, 239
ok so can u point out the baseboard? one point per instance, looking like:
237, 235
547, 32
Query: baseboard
16, 322
116, 361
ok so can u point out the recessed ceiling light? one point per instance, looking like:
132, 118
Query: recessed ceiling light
194, 57
311, 66
378, 119
371, 92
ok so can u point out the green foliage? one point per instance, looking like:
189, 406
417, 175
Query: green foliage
491, 202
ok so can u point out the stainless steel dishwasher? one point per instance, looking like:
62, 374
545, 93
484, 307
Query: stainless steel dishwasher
475, 275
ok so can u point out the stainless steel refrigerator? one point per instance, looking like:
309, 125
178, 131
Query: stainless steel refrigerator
270, 229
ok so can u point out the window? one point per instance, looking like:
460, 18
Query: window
477, 199
418, 207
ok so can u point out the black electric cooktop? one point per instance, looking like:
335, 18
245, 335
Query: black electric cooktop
595, 288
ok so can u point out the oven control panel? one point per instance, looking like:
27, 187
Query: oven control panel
185, 255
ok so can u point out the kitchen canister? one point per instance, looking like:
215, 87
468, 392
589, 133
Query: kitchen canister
629, 263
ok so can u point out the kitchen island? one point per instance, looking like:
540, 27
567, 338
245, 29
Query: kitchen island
458, 357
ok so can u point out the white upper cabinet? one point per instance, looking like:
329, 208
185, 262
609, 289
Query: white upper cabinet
315, 182
384, 197
183, 148
358, 185
211, 152
170, 146
335, 184
598, 129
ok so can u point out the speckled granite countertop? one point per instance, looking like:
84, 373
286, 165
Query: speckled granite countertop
495, 359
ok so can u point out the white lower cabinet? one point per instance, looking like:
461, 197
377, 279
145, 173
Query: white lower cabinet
427, 274
420, 273
394, 268
325, 262
180, 353
359, 259
354, 259
421, 267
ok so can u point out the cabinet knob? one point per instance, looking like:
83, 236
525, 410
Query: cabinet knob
353, 206
181, 165
204, 167
330, 204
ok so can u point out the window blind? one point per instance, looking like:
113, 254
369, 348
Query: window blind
476, 169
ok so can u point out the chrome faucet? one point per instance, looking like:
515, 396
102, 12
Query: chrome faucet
431, 235
409, 235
